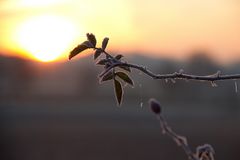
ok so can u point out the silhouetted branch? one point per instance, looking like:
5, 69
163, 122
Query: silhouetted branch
180, 140
203, 152
176, 75
118, 77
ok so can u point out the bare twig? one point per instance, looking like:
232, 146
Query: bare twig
176, 75
203, 152
180, 140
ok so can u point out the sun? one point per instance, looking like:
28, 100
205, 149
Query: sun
47, 37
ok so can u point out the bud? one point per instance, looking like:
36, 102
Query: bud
155, 106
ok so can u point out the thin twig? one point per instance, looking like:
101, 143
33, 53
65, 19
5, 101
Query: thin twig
180, 140
176, 75
203, 152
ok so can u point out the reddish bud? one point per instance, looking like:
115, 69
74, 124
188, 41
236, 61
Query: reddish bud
155, 106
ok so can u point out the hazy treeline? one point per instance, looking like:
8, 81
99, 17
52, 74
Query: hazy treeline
78, 79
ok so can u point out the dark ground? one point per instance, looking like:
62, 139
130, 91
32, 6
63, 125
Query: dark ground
60, 129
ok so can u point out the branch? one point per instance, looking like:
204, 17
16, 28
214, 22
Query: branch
203, 152
176, 75
111, 62
116, 62
180, 140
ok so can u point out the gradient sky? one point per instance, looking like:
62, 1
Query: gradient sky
169, 28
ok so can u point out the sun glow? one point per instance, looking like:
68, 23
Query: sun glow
46, 38
49, 29
34, 3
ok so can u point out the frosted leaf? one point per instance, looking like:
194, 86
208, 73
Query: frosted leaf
166, 80
92, 39
105, 42
118, 91
125, 77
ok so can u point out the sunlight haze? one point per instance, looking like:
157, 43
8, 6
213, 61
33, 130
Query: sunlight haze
48, 30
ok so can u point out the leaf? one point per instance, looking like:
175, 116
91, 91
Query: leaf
107, 77
125, 77
97, 53
81, 47
104, 43
118, 91
102, 62
91, 38
126, 68
107, 65
88, 44
118, 57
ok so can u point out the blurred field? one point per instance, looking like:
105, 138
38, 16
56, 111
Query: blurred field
60, 112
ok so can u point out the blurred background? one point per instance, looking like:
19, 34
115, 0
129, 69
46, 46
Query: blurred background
55, 109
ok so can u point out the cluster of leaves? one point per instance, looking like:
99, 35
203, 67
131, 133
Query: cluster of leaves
118, 75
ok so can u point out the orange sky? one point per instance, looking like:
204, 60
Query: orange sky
48, 29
